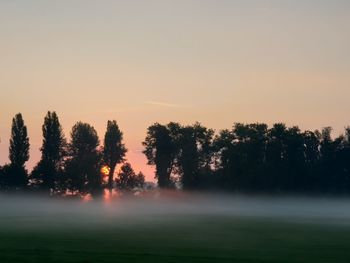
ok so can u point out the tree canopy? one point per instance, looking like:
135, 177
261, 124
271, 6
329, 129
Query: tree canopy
53, 149
84, 160
15, 174
113, 149
250, 158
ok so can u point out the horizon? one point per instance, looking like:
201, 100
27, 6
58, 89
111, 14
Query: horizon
135, 158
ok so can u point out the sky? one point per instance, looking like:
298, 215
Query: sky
141, 62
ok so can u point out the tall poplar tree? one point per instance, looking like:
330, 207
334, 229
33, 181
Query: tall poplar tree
18, 153
113, 150
52, 152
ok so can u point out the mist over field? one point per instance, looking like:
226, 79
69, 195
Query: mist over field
174, 226
166, 207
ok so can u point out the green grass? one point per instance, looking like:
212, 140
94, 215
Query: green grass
195, 239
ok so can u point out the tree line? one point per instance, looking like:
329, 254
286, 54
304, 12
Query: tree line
250, 158
77, 167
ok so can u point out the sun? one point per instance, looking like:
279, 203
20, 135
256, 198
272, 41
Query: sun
105, 170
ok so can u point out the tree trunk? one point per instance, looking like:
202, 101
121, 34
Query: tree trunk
110, 178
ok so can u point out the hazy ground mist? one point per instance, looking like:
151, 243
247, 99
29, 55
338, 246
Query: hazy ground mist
22, 212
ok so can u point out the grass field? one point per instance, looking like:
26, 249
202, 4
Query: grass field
172, 238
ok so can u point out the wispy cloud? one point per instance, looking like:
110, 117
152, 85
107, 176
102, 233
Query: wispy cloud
165, 104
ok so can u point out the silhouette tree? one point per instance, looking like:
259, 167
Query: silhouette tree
114, 150
161, 151
249, 151
195, 155
248, 158
127, 179
188, 160
15, 173
343, 163
1, 176
45, 174
251, 158
312, 157
2, 179
83, 164
140, 180
327, 160
295, 160
242, 155
276, 157
223, 147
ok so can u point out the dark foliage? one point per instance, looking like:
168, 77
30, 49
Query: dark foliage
45, 175
14, 175
195, 155
113, 150
251, 158
82, 167
161, 151
127, 179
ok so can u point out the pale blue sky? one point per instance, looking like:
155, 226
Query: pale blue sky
139, 62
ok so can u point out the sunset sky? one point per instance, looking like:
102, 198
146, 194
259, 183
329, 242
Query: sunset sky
140, 62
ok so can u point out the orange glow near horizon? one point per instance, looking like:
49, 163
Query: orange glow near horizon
105, 170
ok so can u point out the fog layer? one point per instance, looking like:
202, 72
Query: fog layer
34, 212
